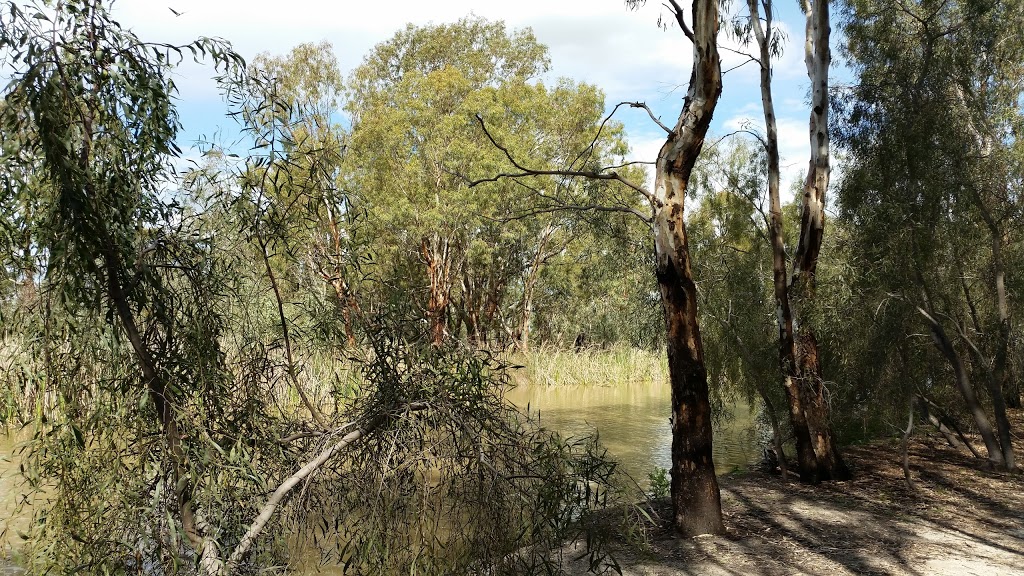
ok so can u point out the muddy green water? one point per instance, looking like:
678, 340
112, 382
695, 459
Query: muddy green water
632, 422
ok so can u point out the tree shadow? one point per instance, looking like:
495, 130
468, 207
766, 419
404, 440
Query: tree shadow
960, 514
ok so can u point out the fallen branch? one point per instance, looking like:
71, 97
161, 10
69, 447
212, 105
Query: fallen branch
216, 568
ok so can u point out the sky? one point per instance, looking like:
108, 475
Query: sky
602, 42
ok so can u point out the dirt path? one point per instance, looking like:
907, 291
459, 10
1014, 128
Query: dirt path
962, 520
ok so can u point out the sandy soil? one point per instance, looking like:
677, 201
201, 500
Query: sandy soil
961, 520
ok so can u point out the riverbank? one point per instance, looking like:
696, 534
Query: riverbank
961, 520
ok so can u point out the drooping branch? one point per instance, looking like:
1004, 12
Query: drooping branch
285, 488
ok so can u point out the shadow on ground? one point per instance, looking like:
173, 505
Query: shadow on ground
962, 519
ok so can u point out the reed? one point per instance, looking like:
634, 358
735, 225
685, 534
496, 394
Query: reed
615, 366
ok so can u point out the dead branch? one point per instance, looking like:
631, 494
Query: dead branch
283, 490
649, 113
677, 11
599, 174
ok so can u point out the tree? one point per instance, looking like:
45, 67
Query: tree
799, 359
310, 216
812, 394
462, 254
167, 440
694, 486
930, 160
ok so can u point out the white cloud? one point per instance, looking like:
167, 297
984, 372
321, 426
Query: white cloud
596, 41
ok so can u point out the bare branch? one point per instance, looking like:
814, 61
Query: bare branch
589, 149
578, 208
677, 11
649, 113
741, 64
599, 174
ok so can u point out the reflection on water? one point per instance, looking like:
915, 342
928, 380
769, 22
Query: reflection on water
632, 422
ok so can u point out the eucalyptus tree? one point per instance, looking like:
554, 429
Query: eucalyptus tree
931, 125
799, 358
167, 445
461, 254
95, 107
694, 487
300, 101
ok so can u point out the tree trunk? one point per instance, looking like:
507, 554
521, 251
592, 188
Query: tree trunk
963, 382
470, 313
787, 345
994, 375
1000, 372
695, 494
811, 393
492, 303
347, 304
346, 299
906, 445
940, 422
436, 255
530, 285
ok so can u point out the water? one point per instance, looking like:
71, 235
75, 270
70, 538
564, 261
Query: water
632, 423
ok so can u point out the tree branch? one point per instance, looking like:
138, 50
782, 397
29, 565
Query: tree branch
524, 171
282, 491
677, 11
649, 113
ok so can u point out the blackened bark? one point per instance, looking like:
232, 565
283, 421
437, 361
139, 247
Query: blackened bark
695, 493
694, 486
830, 464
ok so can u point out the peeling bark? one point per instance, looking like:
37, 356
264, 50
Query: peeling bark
436, 254
806, 392
694, 486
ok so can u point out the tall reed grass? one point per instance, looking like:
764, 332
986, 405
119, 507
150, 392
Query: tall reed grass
616, 366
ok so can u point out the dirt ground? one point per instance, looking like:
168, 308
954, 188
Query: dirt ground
961, 520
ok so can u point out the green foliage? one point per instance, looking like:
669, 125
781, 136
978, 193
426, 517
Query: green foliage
733, 262
660, 483
472, 259
170, 383
929, 200
462, 483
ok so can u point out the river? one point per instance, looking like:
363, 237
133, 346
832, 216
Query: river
632, 422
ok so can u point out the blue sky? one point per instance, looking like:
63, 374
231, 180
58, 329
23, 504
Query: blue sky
597, 41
